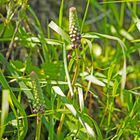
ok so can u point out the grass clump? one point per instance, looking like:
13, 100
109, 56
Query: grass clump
77, 79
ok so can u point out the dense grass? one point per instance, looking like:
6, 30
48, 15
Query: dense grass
93, 95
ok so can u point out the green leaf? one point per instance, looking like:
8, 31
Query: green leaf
94, 80
4, 111
6, 31
54, 71
66, 70
18, 65
81, 98
127, 35
110, 72
61, 32
89, 35
34, 40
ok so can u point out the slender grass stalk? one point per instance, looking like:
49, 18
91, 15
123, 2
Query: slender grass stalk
122, 14
59, 128
4, 111
41, 35
85, 15
91, 71
12, 40
51, 128
135, 8
38, 126
76, 73
115, 12
51, 119
66, 70
61, 13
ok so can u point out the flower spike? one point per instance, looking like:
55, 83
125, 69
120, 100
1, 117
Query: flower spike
39, 101
74, 28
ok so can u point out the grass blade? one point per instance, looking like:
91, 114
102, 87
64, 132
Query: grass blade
81, 98
85, 15
94, 80
57, 29
41, 35
66, 70
61, 13
4, 111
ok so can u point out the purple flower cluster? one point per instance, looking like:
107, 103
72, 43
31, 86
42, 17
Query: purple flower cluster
74, 30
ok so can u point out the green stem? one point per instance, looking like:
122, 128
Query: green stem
60, 125
70, 90
66, 70
38, 126
122, 14
76, 67
89, 84
70, 85
85, 15
12, 40
61, 13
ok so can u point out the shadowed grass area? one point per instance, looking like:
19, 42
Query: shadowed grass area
76, 78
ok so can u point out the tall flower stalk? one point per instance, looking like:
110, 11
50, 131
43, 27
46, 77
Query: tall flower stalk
74, 32
38, 102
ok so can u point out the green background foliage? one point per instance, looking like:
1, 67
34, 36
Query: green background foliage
93, 95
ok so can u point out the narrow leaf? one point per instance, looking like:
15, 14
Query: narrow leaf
4, 111
61, 32
81, 99
94, 80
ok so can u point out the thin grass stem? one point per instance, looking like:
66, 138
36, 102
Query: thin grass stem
85, 16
